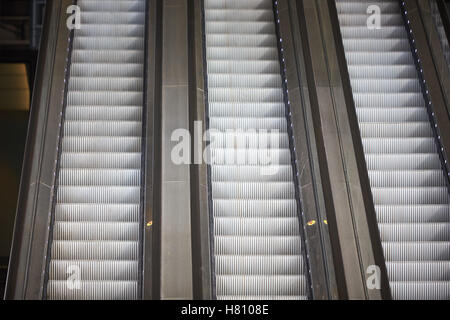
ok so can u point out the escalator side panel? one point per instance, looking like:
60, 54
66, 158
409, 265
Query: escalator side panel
29, 247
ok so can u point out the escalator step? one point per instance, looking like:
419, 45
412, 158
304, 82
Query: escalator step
270, 285
93, 290
98, 270
256, 245
90, 250
96, 213
259, 265
255, 208
412, 213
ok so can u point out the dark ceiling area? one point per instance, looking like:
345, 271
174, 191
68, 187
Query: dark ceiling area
15, 22
15, 7
20, 22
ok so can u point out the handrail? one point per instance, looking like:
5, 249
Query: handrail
306, 244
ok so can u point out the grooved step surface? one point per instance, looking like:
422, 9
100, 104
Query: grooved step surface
408, 184
257, 243
97, 221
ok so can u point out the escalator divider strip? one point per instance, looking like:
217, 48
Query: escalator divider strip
209, 170
143, 158
54, 192
294, 162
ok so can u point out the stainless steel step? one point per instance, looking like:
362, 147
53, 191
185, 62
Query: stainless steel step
112, 5
106, 69
360, 19
104, 113
93, 290
241, 40
419, 271
412, 213
246, 110
256, 245
251, 156
398, 129
267, 285
255, 208
250, 174
229, 226
253, 190
103, 194
103, 128
406, 178
421, 290
238, 14
254, 66
259, 265
97, 160
90, 250
97, 17
98, 270
82, 212
111, 30
99, 177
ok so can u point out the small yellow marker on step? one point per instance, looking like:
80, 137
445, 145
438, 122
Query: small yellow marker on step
311, 223
149, 224
325, 221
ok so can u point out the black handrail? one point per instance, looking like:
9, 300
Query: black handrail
209, 169
295, 168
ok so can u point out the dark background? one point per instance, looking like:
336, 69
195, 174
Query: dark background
20, 25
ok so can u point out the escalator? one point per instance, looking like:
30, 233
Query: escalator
407, 179
257, 232
80, 230
96, 220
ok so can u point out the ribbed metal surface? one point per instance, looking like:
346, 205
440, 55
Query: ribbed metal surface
440, 29
410, 195
257, 243
96, 227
